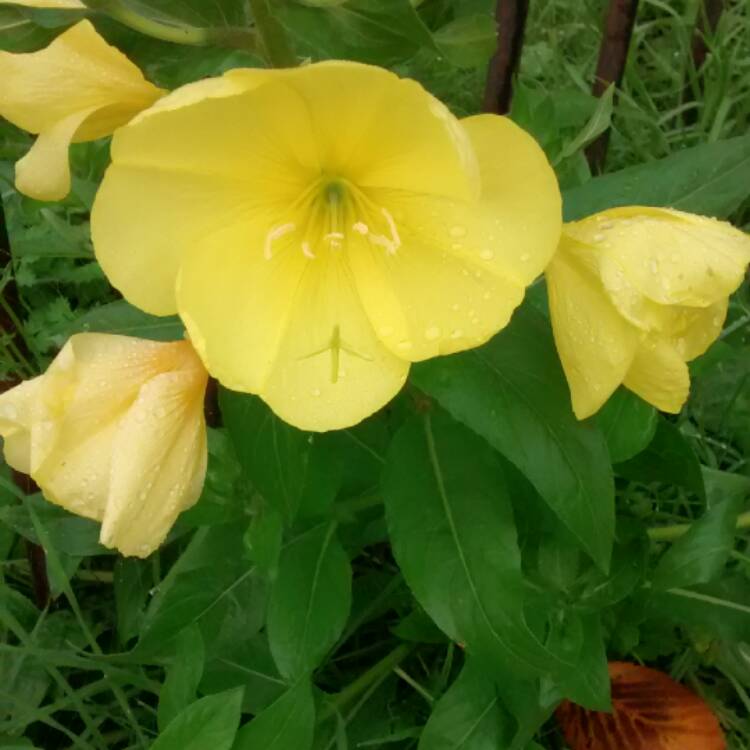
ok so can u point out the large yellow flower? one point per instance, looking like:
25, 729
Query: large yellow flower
634, 294
79, 88
320, 228
113, 431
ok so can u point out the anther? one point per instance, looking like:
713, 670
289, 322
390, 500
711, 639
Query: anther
307, 250
275, 234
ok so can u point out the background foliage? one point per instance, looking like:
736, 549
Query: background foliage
441, 575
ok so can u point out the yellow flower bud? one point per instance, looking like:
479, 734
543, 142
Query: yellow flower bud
634, 294
79, 88
319, 229
113, 431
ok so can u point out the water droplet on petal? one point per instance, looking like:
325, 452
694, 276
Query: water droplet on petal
486, 255
386, 331
458, 231
525, 257
456, 333
315, 391
405, 344
432, 333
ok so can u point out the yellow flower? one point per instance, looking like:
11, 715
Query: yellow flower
113, 431
634, 294
79, 88
320, 228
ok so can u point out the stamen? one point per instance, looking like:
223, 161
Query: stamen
392, 226
275, 234
361, 228
307, 250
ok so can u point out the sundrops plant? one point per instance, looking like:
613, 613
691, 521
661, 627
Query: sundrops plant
357, 429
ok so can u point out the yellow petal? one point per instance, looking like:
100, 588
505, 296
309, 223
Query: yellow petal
330, 371
78, 88
237, 319
44, 173
463, 265
668, 256
659, 375
191, 169
16, 406
77, 71
382, 131
696, 328
520, 196
423, 301
596, 345
160, 449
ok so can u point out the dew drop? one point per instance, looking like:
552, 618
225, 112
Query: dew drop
456, 333
405, 344
486, 255
455, 307
526, 257
9, 411
487, 295
599, 237
315, 391
653, 267
458, 231
386, 331
432, 333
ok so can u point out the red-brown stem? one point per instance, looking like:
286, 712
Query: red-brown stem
613, 54
511, 22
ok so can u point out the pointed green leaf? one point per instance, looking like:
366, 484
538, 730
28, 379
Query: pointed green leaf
628, 424
453, 535
183, 676
310, 601
209, 722
513, 393
700, 554
469, 716
285, 725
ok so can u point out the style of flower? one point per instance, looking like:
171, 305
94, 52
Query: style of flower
318, 229
113, 431
634, 294
79, 88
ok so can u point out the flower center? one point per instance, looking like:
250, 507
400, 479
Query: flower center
327, 216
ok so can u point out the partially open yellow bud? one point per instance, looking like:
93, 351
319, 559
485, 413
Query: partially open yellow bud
79, 88
113, 431
634, 294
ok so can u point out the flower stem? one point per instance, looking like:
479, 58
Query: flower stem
372, 675
273, 36
175, 32
672, 533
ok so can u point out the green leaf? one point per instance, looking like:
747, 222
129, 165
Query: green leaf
310, 601
668, 459
131, 592
288, 723
183, 676
470, 716
122, 318
453, 536
468, 41
263, 539
281, 461
711, 179
375, 31
211, 584
701, 553
600, 121
210, 722
513, 393
721, 608
582, 638
248, 664
628, 424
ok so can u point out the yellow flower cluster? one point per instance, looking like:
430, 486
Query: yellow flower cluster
319, 229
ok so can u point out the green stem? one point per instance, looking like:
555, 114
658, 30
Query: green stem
273, 37
387, 664
671, 533
175, 32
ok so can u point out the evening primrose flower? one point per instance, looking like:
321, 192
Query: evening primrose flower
634, 294
79, 88
113, 431
318, 229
